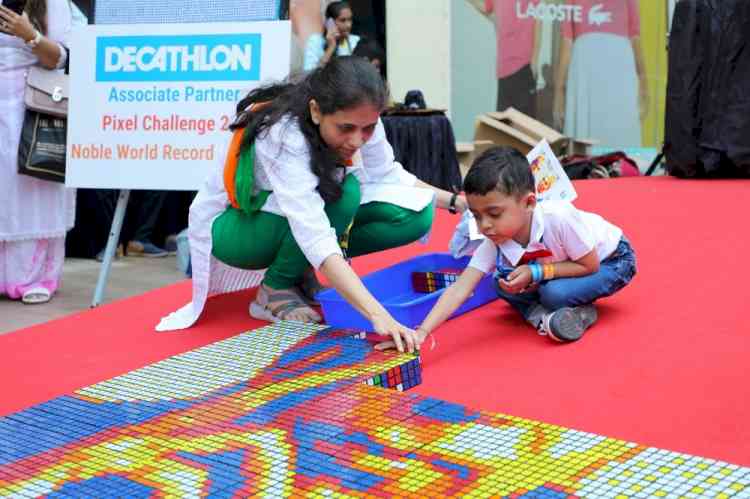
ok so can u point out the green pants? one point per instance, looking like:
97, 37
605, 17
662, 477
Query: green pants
264, 240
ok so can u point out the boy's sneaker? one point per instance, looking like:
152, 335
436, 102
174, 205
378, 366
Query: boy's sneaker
568, 323
146, 249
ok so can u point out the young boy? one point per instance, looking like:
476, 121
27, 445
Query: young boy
551, 260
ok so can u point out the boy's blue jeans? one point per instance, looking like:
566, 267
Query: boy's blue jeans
614, 273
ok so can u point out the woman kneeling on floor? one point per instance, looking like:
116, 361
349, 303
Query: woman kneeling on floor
309, 172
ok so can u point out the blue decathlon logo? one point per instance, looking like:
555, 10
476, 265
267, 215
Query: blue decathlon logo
230, 57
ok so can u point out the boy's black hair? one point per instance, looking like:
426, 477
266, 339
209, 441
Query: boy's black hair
343, 83
369, 49
501, 169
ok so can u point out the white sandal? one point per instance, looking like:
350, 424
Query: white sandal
262, 309
310, 287
36, 295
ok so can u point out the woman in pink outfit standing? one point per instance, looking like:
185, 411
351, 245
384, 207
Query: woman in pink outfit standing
517, 50
601, 89
34, 214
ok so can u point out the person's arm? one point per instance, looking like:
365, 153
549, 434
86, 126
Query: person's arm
578, 243
341, 276
332, 43
306, 19
313, 51
561, 79
634, 32
643, 101
482, 262
537, 48
521, 277
443, 197
452, 298
380, 164
47, 51
284, 157
481, 6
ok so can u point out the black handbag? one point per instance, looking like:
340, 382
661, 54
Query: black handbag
41, 151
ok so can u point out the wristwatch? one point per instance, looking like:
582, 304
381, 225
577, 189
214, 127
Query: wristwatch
34, 41
452, 204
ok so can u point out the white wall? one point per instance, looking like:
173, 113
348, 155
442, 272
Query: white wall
419, 49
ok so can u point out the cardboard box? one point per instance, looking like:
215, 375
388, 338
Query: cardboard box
468, 151
513, 128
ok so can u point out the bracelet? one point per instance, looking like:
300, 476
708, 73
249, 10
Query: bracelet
548, 271
452, 204
32, 44
536, 272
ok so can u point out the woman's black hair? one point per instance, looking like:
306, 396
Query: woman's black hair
501, 169
343, 83
333, 11
37, 12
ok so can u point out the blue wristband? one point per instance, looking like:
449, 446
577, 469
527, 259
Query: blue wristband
536, 272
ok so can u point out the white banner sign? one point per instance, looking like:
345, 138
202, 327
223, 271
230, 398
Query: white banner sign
150, 105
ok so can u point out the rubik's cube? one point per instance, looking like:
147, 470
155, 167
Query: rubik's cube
401, 377
429, 282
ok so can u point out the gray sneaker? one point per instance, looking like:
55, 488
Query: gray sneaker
569, 323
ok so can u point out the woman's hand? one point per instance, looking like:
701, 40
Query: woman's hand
403, 338
518, 280
332, 37
15, 25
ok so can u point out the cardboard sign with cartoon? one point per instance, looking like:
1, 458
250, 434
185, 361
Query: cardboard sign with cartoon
549, 175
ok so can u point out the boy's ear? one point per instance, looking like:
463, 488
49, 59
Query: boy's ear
531, 200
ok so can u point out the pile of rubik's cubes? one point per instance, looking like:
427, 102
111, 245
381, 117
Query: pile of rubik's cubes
429, 282
401, 377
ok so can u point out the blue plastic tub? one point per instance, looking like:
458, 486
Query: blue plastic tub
393, 289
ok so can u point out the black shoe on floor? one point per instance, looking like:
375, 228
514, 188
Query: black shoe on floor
569, 323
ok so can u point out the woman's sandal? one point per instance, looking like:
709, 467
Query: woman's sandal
262, 307
310, 287
36, 295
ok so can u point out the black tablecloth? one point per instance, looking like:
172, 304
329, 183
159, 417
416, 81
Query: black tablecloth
425, 145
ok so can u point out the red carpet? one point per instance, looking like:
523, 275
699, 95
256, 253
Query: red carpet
665, 366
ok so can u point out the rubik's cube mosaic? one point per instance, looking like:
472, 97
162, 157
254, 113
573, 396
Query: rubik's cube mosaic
429, 282
288, 411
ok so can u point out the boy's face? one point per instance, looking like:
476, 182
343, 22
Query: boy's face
501, 218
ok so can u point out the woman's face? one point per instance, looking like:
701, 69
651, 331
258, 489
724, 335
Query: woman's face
344, 22
347, 129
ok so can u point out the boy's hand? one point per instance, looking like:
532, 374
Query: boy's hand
517, 281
